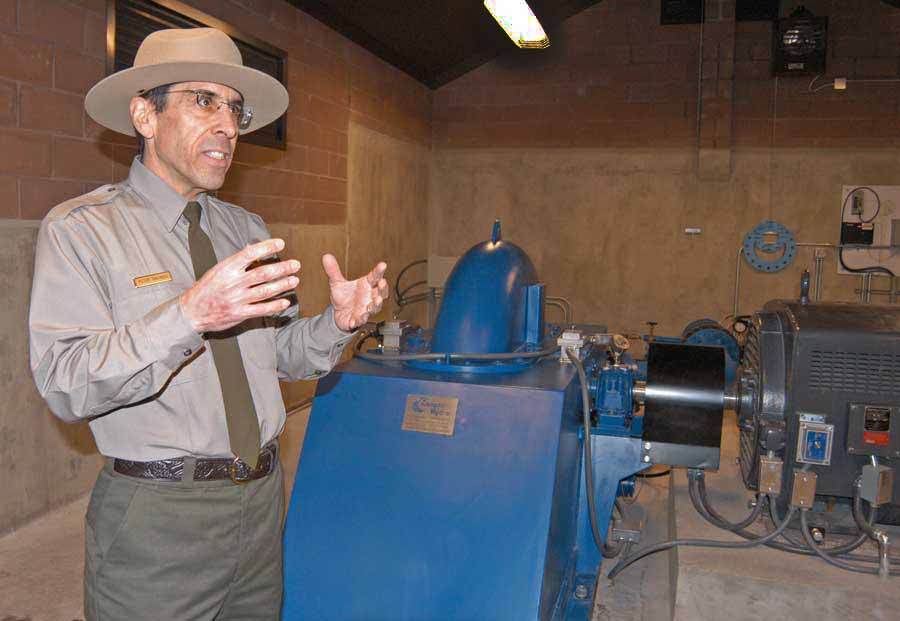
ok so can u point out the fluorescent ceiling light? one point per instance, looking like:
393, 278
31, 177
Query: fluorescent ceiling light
519, 22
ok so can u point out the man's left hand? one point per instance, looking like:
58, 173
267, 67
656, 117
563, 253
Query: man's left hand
355, 300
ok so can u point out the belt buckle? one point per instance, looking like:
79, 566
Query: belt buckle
233, 471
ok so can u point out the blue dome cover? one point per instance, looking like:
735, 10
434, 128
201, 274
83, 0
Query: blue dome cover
484, 304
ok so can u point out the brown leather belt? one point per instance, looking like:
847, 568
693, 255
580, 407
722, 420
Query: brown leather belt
212, 469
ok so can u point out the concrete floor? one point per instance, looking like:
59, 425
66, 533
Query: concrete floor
41, 565
762, 583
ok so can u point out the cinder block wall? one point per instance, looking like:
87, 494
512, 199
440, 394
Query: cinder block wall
594, 155
52, 51
614, 77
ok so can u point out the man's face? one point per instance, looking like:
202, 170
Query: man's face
191, 148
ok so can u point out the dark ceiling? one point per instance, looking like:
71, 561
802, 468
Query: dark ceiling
434, 41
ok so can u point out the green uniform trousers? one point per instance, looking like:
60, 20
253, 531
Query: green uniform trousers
183, 551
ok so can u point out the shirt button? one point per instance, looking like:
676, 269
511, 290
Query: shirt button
187, 352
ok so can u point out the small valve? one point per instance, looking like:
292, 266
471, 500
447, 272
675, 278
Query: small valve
620, 345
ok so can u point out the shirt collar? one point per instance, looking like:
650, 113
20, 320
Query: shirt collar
162, 198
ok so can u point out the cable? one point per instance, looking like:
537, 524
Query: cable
820, 87
363, 337
399, 296
418, 283
854, 191
804, 528
704, 543
605, 550
843, 550
699, 479
701, 504
865, 270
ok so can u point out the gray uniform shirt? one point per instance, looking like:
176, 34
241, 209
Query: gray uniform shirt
111, 346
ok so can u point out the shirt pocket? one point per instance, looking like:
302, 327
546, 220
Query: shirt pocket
133, 305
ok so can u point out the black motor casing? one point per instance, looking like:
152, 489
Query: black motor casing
830, 364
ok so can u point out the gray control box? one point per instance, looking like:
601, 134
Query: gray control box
873, 429
876, 485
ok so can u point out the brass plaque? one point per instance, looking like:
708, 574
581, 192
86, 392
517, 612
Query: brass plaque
430, 414
152, 279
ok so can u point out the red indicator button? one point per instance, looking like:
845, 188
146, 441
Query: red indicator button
878, 439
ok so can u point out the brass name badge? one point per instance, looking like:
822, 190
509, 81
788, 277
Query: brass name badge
429, 414
152, 279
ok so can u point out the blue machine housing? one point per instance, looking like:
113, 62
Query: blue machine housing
442, 492
492, 301
487, 523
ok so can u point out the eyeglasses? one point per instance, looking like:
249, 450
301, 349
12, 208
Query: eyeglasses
209, 103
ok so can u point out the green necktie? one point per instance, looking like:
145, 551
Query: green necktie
240, 414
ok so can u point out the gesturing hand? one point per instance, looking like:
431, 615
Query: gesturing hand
228, 293
355, 300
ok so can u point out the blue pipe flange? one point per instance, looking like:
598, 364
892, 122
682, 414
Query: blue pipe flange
755, 242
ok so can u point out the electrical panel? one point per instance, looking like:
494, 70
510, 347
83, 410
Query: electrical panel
870, 228
873, 429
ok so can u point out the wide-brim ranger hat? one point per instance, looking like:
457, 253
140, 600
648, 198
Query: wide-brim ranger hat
185, 55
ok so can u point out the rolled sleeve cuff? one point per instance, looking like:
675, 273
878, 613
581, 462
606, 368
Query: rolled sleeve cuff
338, 336
171, 333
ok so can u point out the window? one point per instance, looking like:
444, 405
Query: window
128, 22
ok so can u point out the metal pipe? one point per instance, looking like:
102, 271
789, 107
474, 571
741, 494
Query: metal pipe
817, 278
737, 280
864, 295
878, 291
867, 288
563, 304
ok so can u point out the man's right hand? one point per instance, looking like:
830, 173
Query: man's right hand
229, 293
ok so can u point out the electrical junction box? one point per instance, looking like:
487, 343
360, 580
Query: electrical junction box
876, 484
870, 219
803, 490
814, 442
770, 469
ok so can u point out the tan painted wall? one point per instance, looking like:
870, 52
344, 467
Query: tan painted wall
605, 227
388, 208
47, 463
